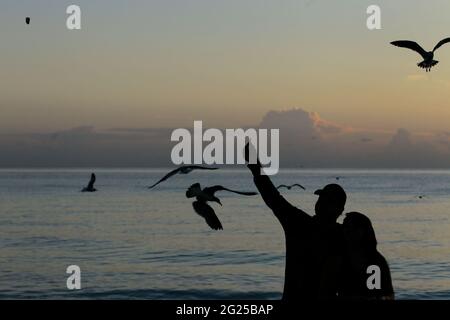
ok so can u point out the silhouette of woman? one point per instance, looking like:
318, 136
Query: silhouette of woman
361, 253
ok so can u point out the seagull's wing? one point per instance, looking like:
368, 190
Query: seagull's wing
91, 182
282, 186
167, 176
410, 45
206, 212
214, 189
193, 190
442, 42
299, 185
200, 168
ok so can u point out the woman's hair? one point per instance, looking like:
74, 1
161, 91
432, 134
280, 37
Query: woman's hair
356, 220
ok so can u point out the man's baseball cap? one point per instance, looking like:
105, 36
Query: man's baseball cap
333, 193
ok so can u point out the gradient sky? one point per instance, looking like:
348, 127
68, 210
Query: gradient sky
164, 63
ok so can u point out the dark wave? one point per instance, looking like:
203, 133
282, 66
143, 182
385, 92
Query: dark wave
164, 294
145, 294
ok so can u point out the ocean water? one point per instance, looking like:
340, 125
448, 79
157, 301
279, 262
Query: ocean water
134, 243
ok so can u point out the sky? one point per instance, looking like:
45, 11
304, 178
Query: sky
153, 65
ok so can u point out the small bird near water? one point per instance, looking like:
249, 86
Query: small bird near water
428, 57
90, 186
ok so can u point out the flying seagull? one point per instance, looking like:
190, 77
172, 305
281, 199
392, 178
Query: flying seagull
207, 194
181, 170
290, 187
428, 57
90, 186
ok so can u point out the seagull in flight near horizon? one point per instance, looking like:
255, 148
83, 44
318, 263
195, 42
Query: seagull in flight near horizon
90, 186
206, 194
181, 170
291, 186
428, 57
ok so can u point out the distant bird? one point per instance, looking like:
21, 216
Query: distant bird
181, 170
27, 20
207, 194
90, 186
428, 57
290, 187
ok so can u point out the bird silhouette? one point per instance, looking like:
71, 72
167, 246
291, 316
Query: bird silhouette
27, 20
90, 186
206, 194
291, 186
428, 57
181, 170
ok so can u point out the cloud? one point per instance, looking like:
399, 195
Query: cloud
300, 123
309, 140
401, 140
85, 147
151, 131
325, 126
408, 151
306, 140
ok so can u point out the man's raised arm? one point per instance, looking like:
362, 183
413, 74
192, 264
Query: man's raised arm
273, 199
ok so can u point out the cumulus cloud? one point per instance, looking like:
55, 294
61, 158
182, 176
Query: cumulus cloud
311, 141
300, 123
401, 141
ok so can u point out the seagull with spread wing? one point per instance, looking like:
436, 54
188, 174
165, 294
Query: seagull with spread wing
291, 186
208, 194
90, 186
428, 57
181, 170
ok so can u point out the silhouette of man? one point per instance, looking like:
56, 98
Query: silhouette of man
315, 245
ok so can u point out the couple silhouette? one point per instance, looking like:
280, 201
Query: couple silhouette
325, 259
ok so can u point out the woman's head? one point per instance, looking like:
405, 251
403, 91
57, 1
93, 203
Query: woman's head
359, 231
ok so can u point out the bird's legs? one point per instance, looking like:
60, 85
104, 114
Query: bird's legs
427, 65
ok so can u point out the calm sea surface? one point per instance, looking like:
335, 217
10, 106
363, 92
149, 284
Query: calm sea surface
135, 243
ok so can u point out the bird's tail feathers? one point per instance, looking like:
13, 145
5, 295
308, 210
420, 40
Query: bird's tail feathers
427, 65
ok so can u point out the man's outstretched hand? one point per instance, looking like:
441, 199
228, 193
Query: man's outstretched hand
254, 166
